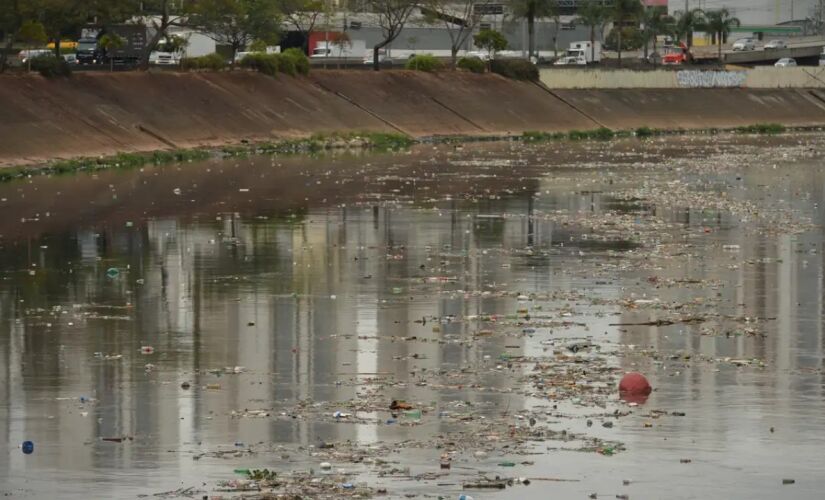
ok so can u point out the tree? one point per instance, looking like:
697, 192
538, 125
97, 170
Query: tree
303, 14
532, 10
159, 16
60, 18
237, 23
490, 40
460, 18
342, 41
556, 15
655, 22
595, 15
32, 34
719, 23
687, 23
10, 22
623, 11
111, 42
392, 16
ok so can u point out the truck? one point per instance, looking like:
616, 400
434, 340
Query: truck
182, 45
325, 48
89, 50
678, 54
581, 54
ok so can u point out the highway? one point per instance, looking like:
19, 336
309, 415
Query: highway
807, 51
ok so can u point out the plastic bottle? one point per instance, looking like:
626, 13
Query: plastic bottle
413, 414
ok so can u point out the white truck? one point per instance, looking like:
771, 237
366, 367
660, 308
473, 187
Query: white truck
184, 44
353, 48
581, 54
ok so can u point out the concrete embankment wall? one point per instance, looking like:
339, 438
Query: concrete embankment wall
698, 108
762, 77
102, 114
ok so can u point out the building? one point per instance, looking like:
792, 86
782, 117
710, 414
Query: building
754, 12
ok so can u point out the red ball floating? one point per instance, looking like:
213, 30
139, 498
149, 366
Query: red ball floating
634, 384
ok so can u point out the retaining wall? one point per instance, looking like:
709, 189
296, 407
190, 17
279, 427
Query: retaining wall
763, 77
102, 114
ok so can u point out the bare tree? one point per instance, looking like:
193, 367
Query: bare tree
237, 23
460, 18
392, 15
303, 14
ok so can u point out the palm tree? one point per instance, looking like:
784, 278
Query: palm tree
656, 22
719, 23
623, 11
687, 23
594, 14
532, 10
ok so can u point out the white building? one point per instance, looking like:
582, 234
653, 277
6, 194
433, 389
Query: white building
754, 12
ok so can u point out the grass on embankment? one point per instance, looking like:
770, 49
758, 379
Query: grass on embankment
372, 141
606, 134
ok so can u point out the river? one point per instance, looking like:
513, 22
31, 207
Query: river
162, 329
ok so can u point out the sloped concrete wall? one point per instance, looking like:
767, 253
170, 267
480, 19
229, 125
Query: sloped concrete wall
103, 114
763, 77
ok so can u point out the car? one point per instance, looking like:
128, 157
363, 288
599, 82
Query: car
484, 55
70, 58
383, 58
571, 61
785, 62
776, 44
744, 44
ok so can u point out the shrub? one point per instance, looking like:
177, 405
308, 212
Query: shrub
214, 62
272, 64
644, 132
536, 136
51, 66
286, 64
762, 128
299, 60
516, 69
267, 64
601, 134
424, 62
471, 64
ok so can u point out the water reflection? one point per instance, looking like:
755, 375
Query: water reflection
310, 274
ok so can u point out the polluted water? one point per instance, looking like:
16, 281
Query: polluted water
439, 322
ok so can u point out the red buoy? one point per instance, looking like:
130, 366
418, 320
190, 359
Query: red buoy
634, 384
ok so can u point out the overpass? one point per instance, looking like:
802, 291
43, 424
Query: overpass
804, 52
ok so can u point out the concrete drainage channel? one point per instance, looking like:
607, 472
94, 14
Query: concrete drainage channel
73, 117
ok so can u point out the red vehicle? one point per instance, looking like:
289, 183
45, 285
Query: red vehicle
677, 55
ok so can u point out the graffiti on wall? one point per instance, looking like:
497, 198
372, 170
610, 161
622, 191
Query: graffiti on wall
710, 79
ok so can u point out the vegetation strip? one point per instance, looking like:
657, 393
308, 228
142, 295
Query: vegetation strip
373, 141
